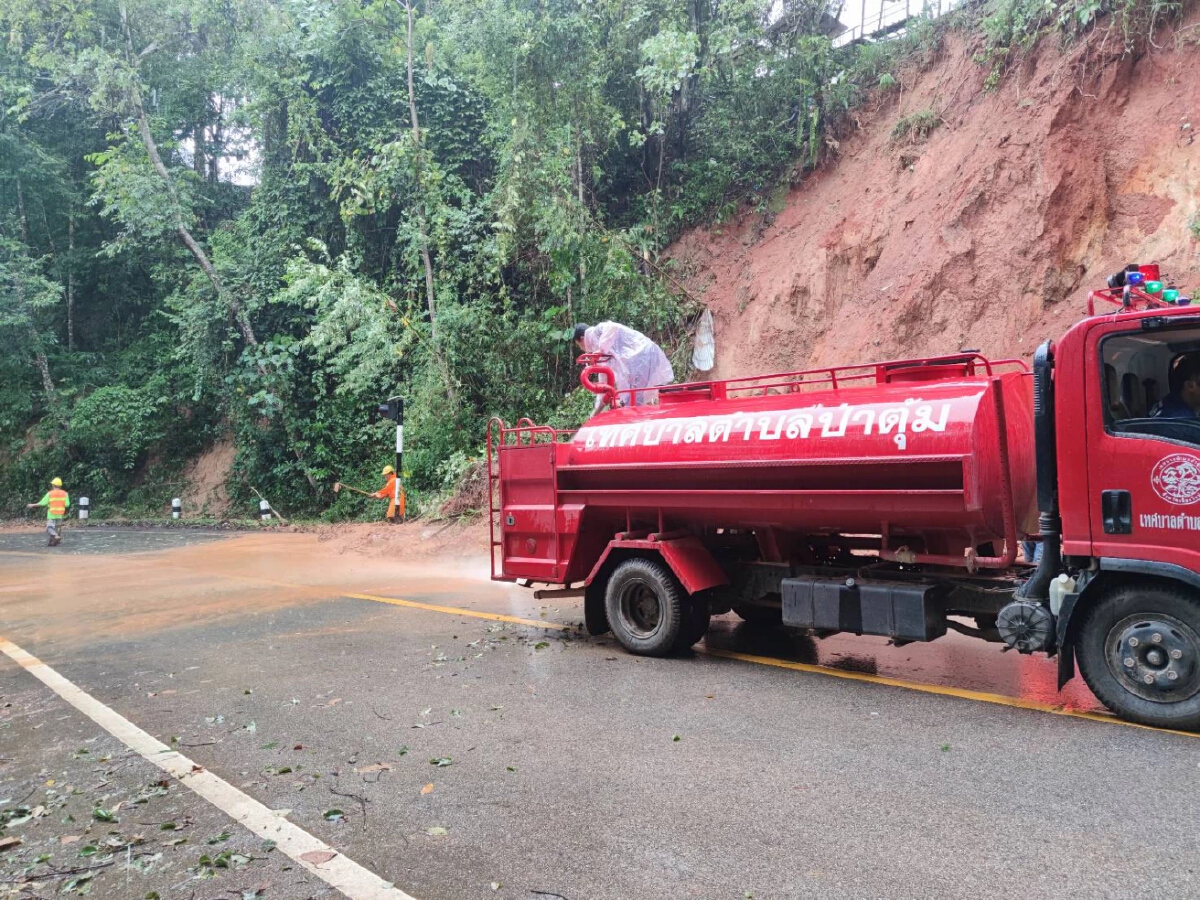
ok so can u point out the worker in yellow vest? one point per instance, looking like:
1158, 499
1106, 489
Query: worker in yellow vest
56, 502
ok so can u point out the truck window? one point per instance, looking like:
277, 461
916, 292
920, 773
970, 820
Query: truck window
1141, 385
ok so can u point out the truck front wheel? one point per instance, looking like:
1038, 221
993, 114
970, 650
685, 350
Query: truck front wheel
1139, 651
645, 606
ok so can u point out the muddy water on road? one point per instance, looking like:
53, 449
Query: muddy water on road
133, 584
954, 661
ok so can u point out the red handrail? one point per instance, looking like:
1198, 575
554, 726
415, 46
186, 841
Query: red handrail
830, 378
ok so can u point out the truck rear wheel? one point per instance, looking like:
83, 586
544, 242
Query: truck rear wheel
1139, 651
646, 607
697, 614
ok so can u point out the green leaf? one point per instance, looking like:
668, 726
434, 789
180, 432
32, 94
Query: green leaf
441, 761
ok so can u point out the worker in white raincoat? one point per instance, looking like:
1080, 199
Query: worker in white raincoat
636, 361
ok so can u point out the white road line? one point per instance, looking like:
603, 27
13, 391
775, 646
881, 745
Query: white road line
339, 872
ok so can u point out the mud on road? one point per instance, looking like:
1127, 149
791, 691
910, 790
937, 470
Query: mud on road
456, 738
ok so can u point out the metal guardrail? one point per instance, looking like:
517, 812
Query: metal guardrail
893, 16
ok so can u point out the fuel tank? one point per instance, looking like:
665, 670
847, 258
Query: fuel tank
931, 452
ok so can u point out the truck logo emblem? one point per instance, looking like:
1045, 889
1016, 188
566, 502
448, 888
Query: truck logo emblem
1176, 479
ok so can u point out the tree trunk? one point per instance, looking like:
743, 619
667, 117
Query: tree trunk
214, 156
417, 145
181, 229
199, 163
583, 216
22, 220
185, 236
35, 342
662, 151
43, 366
422, 222
71, 280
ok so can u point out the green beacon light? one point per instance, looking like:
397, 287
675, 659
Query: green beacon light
1170, 295
1153, 287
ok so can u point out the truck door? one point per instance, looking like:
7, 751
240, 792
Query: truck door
1143, 446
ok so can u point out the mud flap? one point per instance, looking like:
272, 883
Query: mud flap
595, 618
1066, 643
1066, 664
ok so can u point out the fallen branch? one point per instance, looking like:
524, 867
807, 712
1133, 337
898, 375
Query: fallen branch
362, 802
57, 873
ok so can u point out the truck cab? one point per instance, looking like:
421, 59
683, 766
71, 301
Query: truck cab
1129, 473
1128, 491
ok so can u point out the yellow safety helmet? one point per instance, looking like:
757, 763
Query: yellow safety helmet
388, 470
56, 482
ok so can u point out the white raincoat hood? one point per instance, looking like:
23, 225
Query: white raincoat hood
636, 361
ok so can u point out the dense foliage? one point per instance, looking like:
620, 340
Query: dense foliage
258, 218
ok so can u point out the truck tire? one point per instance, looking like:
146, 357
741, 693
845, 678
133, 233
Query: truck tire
697, 614
759, 616
595, 619
1139, 651
645, 606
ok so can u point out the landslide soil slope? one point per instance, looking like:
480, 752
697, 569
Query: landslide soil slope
988, 234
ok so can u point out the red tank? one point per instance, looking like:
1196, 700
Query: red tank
927, 461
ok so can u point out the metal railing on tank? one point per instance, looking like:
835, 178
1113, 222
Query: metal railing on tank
832, 378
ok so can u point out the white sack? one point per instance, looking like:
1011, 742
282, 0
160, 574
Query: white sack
704, 351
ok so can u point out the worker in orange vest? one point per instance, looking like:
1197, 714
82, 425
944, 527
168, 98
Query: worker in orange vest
393, 493
56, 502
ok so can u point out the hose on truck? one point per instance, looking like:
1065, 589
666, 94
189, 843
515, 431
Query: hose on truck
1037, 588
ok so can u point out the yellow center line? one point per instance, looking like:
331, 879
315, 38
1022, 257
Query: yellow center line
883, 680
457, 611
961, 693
393, 601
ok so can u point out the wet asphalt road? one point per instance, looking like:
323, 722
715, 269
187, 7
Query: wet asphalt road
576, 770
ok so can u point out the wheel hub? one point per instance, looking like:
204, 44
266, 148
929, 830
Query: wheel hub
641, 609
1156, 657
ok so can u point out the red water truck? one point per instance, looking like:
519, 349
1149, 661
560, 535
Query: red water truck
891, 499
